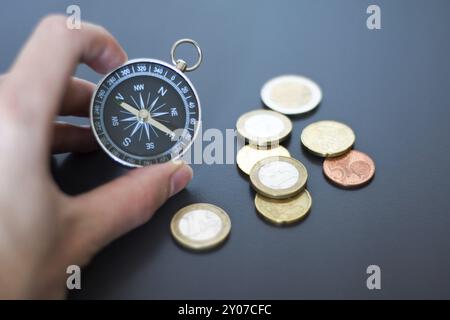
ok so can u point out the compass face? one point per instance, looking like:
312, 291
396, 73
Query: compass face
145, 112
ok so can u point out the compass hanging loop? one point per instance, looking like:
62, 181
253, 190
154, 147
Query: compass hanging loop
181, 64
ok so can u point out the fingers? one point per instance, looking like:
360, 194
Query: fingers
127, 202
49, 58
71, 138
77, 98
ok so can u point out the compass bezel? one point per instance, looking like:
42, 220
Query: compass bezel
185, 148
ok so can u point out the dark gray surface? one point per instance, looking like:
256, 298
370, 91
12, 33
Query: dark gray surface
391, 86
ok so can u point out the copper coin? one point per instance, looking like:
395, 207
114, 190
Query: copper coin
350, 170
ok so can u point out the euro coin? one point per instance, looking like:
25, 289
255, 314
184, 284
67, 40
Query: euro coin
200, 226
264, 127
327, 138
278, 177
291, 94
249, 155
350, 170
286, 211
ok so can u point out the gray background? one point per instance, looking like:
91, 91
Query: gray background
391, 86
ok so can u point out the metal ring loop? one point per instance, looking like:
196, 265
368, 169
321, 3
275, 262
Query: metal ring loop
192, 42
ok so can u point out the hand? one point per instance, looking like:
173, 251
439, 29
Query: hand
42, 230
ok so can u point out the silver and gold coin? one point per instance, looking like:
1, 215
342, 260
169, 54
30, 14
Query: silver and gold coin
291, 94
328, 138
285, 211
264, 127
278, 177
249, 155
200, 226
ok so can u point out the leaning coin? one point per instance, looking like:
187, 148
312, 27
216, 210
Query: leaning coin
327, 138
278, 177
286, 211
200, 226
264, 127
291, 94
249, 155
350, 170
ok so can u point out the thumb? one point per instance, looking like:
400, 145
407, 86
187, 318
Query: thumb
115, 208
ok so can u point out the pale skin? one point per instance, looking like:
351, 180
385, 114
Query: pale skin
42, 230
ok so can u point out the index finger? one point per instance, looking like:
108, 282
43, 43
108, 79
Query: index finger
49, 58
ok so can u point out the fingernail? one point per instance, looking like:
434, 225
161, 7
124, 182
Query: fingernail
181, 177
111, 58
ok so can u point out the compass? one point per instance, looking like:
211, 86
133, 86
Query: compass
147, 111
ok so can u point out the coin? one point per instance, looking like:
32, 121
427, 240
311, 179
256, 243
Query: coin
278, 177
200, 226
327, 138
249, 155
352, 169
264, 127
291, 94
286, 211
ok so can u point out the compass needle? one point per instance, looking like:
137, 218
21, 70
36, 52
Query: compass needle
129, 108
160, 126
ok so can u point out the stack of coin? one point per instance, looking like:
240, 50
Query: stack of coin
263, 130
342, 166
278, 179
281, 196
279, 182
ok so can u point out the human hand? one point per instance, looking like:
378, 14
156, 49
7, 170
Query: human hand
42, 230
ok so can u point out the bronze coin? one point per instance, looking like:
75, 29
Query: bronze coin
350, 170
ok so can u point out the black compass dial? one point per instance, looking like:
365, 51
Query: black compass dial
145, 112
